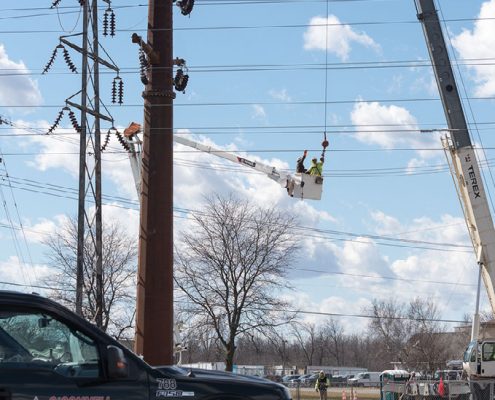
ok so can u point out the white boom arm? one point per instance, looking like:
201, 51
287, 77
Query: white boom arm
467, 171
301, 186
269, 171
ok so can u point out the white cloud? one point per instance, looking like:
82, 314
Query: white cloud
258, 111
425, 83
198, 174
39, 231
453, 265
54, 152
339, 37
281, 95
392, 126
18, 88
374, 120
361, 255
19, 276
477, 44
126, 218
366, 271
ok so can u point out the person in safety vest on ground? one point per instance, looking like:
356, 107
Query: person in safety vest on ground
322, 384
316, 168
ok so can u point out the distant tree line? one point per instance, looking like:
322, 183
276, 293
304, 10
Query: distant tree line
409, 334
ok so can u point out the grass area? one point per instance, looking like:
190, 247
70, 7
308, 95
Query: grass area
335, 394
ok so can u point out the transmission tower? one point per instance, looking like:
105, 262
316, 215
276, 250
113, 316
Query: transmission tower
89, 226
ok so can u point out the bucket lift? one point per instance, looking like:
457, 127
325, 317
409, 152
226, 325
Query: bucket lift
298, 185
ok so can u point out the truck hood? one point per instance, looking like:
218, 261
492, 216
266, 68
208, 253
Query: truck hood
201, 374
233, 383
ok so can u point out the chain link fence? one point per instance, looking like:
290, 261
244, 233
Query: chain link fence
412, 390
435, 390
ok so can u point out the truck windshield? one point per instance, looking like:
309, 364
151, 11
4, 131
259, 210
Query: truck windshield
470, 353
43, 341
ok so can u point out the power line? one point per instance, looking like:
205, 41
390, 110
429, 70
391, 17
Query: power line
273, 67
330, 314
269, 103
367, 316
332, 235
389, 278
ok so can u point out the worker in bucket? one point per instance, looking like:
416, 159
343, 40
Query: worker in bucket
322, 384
300, 168
316, 168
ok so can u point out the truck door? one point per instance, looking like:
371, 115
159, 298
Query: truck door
488, 358
43, 358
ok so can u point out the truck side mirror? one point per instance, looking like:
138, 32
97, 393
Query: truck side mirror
117, 363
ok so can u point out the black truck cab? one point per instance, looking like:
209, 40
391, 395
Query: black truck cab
49, 353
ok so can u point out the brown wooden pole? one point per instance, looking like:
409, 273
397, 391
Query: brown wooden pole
155, 316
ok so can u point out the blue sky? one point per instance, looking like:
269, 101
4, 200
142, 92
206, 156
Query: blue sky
257, 87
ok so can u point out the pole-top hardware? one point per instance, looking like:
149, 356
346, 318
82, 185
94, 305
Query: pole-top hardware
153, 56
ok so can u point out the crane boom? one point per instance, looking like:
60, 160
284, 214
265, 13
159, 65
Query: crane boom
464, 160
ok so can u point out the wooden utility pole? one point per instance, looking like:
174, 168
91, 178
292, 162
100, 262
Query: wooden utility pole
155, 312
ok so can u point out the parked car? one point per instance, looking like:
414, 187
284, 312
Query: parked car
365, 379
274, 378
448, 375
309, 380
337, 380
290, 380
303, 377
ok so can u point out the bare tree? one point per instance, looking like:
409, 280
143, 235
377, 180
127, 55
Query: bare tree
411, 332
119, 270
307, 336
429, 349
231, 267
335, 338
390, 325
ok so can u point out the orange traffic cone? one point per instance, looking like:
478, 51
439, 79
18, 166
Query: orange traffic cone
344, 395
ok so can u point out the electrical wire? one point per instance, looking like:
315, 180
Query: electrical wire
333, 235
367, 316
264, 103
15, 239
388, 278
222, 69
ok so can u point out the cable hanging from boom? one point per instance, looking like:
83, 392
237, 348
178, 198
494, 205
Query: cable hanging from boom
325, 143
